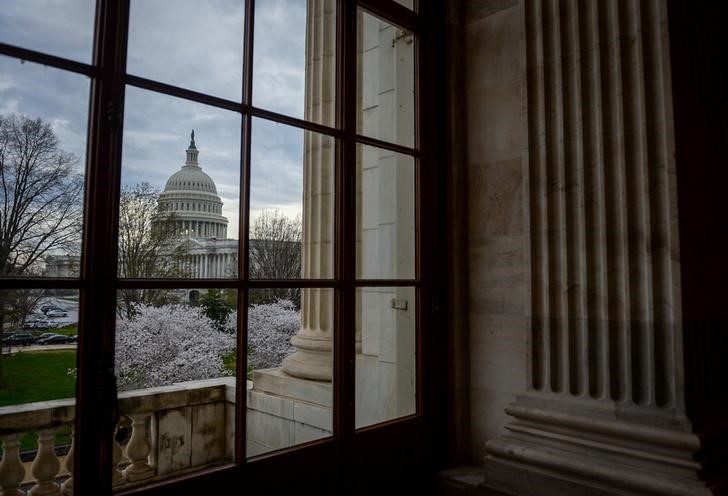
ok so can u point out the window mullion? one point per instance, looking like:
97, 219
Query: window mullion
344, 360
96, 396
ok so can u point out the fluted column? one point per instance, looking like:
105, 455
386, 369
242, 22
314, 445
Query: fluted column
313, 358
605, 319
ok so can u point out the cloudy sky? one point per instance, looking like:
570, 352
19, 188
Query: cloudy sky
196, 44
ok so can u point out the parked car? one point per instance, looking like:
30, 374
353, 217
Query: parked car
57, 313
47, 335
46, 324
30, 320
19, 338
47, 308
57, 339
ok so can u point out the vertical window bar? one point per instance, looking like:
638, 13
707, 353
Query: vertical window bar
244, 237
98, 294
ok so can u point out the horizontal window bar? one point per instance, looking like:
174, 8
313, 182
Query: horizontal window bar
365, 140
393, 13
227, 283
195, 96
386, 282
32, 283
294, 121
49, 60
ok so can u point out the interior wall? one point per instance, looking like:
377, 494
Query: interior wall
493, 89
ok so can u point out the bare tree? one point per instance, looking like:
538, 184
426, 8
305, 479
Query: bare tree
40, 207
275, 253
148, 247
41, 195
21, 303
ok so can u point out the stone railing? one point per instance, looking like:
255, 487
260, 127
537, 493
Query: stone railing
173, 429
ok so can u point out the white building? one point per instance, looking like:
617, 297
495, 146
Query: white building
191, 203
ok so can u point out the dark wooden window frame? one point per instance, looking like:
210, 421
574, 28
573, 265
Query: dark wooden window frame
393, 448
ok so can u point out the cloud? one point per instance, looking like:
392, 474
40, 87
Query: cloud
59, 27
196, 44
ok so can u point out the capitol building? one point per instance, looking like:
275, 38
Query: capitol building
191, 209
191, 204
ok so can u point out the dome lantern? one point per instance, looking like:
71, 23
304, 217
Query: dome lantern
192, 152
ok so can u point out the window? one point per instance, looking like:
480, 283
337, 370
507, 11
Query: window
306, 152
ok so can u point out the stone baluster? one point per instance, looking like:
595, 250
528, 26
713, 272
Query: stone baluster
138, 450
67, 486
12, 470
46, 466
117, 477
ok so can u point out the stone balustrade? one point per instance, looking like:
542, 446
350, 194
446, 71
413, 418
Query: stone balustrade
174, 429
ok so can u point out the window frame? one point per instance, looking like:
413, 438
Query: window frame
348, 446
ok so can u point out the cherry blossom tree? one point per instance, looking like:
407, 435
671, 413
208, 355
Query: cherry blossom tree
270, 329
163, 345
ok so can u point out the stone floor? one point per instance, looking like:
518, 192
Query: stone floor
463, 481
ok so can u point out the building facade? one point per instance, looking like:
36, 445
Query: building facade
190, 209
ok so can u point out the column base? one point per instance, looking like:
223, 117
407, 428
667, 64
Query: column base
548, 453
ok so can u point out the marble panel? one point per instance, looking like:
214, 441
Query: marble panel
496, 198
493, 49
313, 415
174, 440
494, 123
208, 433
268, 430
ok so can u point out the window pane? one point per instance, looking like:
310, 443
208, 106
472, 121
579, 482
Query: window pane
175, 369
290, 361
38, 362
189, 43
386, 380
64, 29
180, 191
295, 55
386, 91
41, 185
385, 214
292, 203
410, 4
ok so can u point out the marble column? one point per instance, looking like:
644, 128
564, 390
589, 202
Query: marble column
604, 407
313, 358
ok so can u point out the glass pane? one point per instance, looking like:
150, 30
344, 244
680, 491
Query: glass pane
290, 362
291, 203
43, 123
180, 189
385, 214
189, 43
64, 29
386, 365
39, 329
410, 4
295, 55
386, 90
175, 363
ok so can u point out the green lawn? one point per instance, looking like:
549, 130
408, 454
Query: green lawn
37, 376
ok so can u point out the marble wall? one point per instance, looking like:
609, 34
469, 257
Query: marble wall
496, 293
